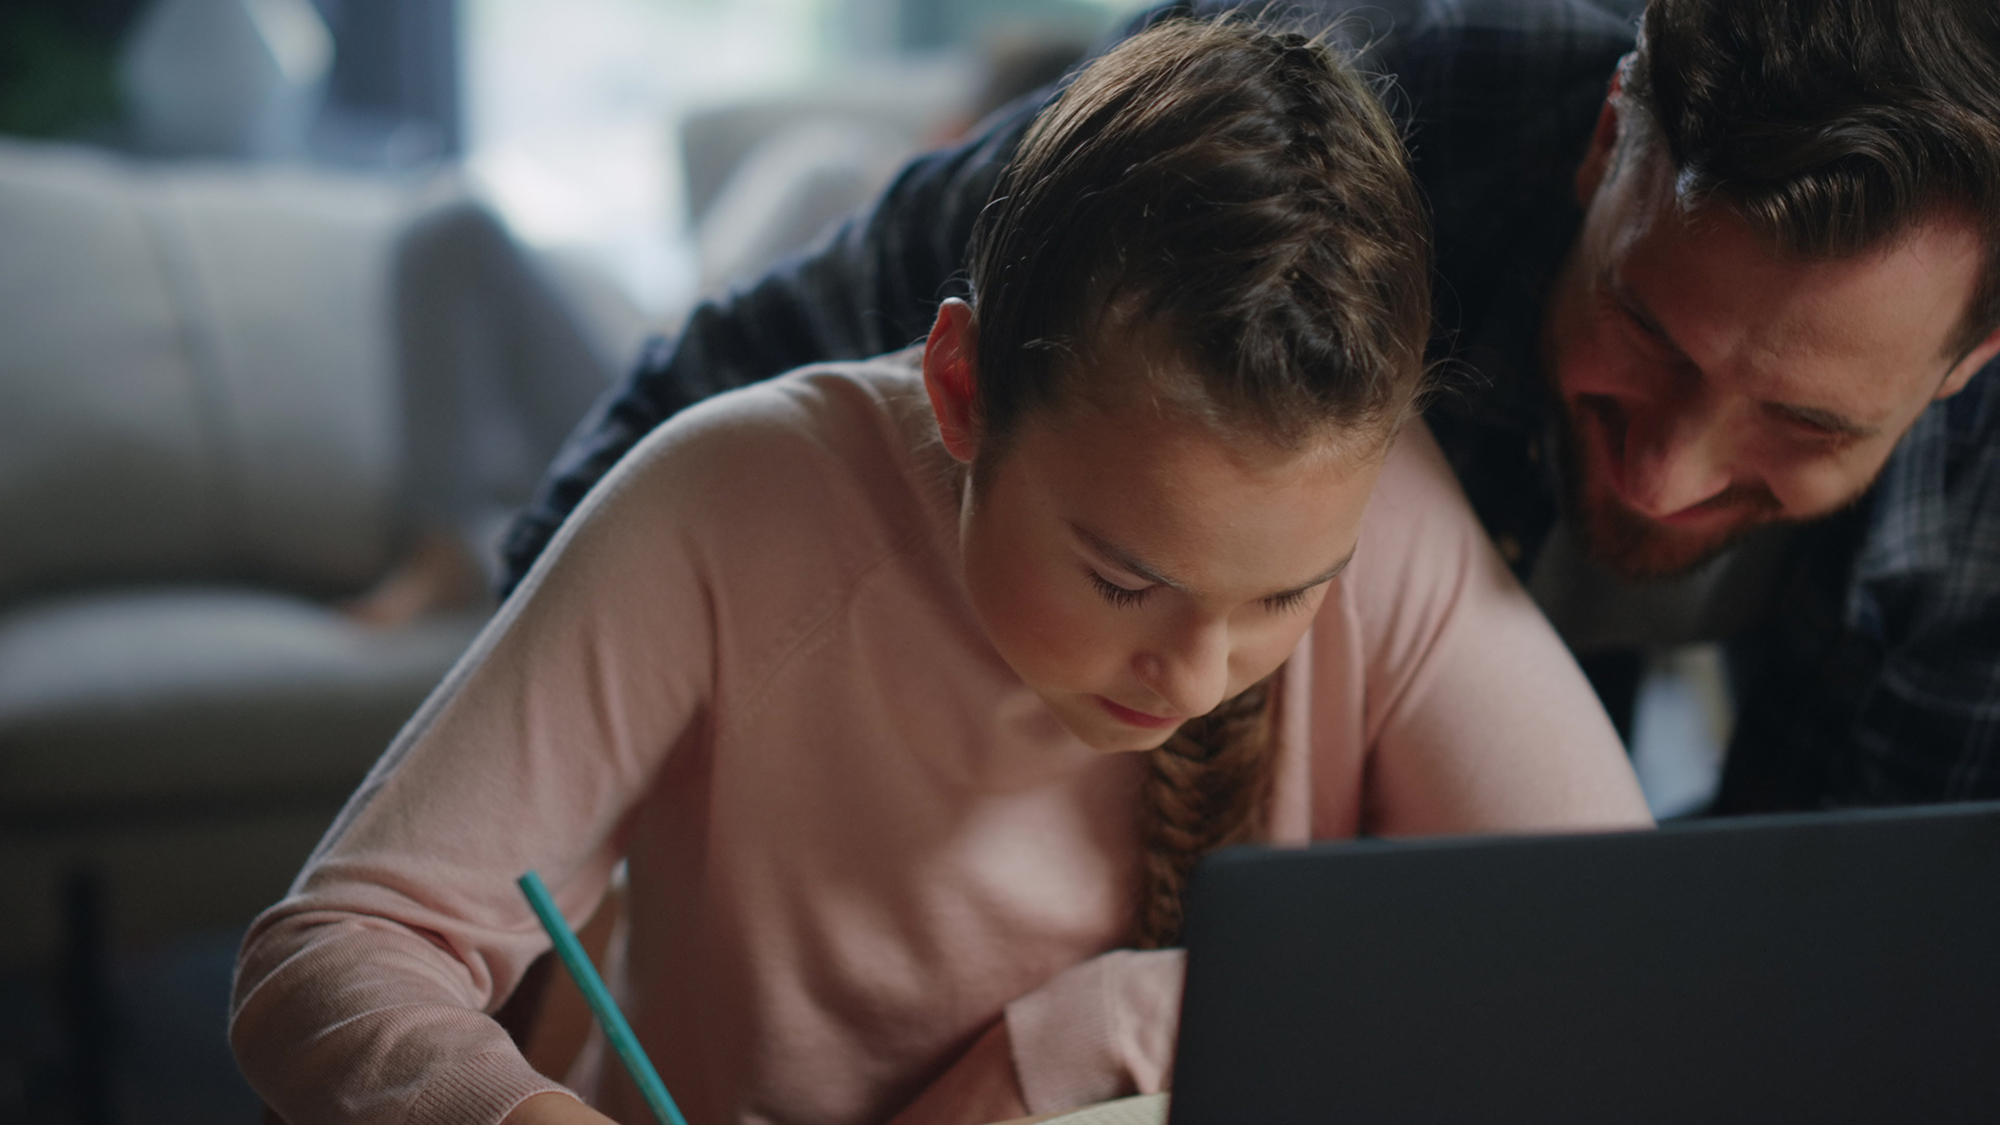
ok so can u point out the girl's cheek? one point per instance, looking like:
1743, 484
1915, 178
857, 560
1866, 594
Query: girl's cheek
1073, 645
1042, 633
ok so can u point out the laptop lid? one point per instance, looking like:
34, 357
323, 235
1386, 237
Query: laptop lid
1827, 968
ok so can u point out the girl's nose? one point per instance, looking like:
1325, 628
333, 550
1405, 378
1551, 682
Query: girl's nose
1191, 676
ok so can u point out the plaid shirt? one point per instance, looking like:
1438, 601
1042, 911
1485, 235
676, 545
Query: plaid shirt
1876, 677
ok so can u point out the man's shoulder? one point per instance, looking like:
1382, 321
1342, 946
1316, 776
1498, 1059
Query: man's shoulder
1453, 49
1480, 82
1932, 523
1972, 419
1499, 98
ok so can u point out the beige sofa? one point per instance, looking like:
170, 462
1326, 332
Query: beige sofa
206, 441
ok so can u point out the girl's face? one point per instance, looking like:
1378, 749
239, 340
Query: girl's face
1134, 567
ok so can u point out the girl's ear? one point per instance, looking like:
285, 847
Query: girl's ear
951, 377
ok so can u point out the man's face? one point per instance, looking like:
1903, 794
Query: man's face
1711, 384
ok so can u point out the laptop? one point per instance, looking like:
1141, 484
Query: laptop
1822, 968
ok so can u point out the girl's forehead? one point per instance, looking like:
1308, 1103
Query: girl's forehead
1131, 373
1230, 509
1163, 424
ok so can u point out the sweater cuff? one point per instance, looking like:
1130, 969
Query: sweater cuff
1100, 1030
483, 1088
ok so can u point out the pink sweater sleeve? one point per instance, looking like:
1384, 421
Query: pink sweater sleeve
363, 995
1100, 1030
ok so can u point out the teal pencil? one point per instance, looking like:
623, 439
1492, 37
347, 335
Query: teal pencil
599, 998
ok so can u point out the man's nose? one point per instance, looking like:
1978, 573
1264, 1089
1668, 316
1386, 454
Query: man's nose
1190, 671
1676, 456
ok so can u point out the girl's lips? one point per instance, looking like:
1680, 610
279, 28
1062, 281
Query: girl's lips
1137, 718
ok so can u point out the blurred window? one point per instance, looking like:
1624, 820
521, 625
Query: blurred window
573, 110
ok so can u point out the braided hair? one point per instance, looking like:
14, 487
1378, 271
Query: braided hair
1207, 787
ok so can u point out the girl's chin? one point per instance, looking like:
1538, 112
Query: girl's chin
1112, 737
1123, 746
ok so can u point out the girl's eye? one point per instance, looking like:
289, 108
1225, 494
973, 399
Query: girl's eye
1115, 594
1293, 600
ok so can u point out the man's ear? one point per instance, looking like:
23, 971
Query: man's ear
1974, 360
1603, 141
951, 378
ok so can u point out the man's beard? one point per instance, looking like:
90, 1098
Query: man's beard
1636, 547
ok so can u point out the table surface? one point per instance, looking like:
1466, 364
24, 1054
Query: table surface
1146, 1109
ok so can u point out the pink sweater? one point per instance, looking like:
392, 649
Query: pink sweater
854, 838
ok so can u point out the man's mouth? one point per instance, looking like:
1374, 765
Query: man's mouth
1621, 536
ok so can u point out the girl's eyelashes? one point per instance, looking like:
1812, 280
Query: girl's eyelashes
1289, 601
1117, 595
1124, 597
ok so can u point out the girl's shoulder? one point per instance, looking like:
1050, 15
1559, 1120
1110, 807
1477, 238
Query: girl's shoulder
841, 409
1422, 549
1417, 486
838, 454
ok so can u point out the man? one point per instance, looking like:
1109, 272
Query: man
1738, 286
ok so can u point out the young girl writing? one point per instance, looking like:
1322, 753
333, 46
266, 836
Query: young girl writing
910, 690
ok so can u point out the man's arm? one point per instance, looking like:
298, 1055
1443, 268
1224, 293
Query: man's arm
1874, 679
872, 288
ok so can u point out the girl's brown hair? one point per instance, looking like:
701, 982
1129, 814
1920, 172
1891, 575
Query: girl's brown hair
1234, 196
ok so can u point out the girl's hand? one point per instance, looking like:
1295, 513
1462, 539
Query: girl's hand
980, 1087
551, 1108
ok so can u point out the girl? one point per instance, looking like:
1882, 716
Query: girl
910, 690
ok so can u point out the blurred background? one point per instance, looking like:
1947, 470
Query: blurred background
297, 299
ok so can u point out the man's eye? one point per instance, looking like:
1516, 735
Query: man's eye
1639, 325
1115, 594
1813, 430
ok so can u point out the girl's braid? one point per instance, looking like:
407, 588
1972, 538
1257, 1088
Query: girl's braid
1206, 788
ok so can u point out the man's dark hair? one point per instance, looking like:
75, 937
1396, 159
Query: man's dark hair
1831, 125
1234, 199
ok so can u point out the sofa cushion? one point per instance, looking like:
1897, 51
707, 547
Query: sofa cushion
293, 271
201, 698
109, 462
197, 378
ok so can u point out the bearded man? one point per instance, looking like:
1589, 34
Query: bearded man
1719, 298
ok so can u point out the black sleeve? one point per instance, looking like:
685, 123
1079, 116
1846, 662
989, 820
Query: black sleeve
872, 287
